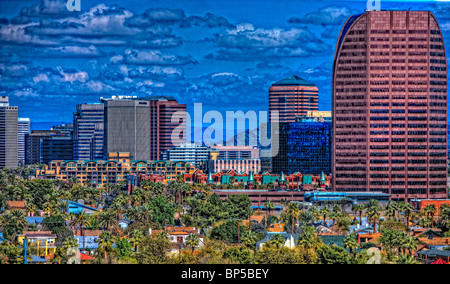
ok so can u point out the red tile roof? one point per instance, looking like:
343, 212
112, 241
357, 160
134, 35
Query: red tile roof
17, 204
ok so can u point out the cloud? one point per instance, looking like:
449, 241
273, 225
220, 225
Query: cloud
176, 18
46, 8
246, 42
24, 93
71, 77
14, 70
325, 16
153, 57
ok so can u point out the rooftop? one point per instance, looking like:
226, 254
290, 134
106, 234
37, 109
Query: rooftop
294, 81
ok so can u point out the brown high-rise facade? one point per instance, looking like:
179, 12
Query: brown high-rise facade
293, 97
390, 105
144, 127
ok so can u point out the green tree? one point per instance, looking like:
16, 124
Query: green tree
240, 254
351, 243
123, 248
105, 243
162, 211
192, 241
81, 219
13, 223
136, 237
278, 240
154, 251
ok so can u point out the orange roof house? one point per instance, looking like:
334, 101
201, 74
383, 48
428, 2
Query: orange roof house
254, 218
17, 205
276, 228
369, 238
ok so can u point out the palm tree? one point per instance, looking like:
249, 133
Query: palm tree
269, 206
407, 209
430, 210
106, 242
81, 219
373, 212
336, 215
391, 210
351, 243
136, 237
69, 244
444, 217
324, 211
107, 219
31, 208
192, 241
249, 239
424, 222
278, 240
358, 208
410, 244
314, 211
293, 211
406, 259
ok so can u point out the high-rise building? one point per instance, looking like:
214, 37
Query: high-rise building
8, 134
293, 97
24, 128
189, 153
34, 143
65, 129
304, 147
390, 105
57, 147
88, 134
143, 127
166, 114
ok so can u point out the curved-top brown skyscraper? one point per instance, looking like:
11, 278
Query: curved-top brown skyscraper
390, 105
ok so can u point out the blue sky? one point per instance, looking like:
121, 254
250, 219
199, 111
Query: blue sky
225, 54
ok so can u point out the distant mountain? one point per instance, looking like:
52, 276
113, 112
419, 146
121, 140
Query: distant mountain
244, 138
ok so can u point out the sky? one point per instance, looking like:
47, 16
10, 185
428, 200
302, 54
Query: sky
223, 53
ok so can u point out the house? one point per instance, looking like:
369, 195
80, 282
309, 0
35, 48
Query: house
368, 238
333, 240
276, 228
290, 240
77, 207
254, 219
323, 230
179, 235
124, 223
432, 255
17, 205
423, 203
38, 260
433, 239
361, 230
35, 220
428, 233
90, 239
42, 241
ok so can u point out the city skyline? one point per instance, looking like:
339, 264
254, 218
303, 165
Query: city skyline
222, 54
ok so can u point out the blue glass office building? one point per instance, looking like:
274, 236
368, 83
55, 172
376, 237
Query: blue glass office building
304, 147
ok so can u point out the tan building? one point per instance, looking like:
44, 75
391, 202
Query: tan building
115, 170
